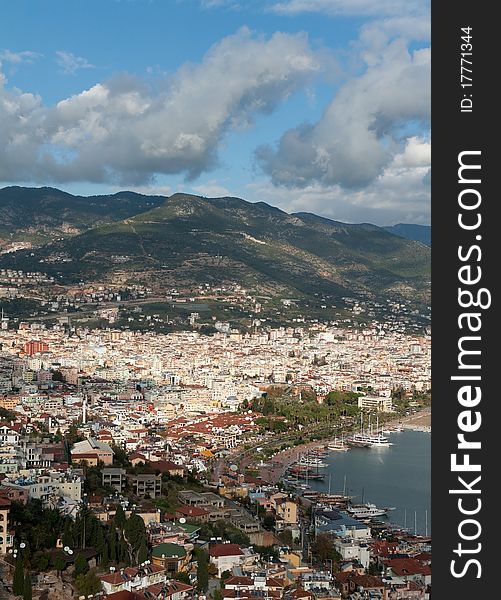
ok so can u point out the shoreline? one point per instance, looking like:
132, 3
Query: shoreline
276, 466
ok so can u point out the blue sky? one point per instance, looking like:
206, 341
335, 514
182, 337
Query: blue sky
310, 105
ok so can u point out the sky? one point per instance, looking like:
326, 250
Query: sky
318, 106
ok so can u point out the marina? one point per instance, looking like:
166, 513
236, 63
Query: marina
394, 479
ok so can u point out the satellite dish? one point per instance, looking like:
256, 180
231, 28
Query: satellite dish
66, 548
233, 468
70, 551
22, 545
182, 520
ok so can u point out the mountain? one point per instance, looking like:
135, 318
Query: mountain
40, 215
189, 240
418, 233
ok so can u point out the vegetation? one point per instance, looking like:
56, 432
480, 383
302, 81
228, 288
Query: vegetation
27, 587
283, 409
18, 578
300, 258
6, 415
323, 549
88, 584
202, 558
226, 531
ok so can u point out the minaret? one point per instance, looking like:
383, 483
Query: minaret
84, 409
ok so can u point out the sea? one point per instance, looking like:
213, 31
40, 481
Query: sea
398, 476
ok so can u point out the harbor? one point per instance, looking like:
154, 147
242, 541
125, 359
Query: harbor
396, 476
394, 473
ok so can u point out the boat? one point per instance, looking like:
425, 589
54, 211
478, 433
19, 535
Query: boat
312, 462
380, 441
368, 439
299, 471
366, 511
338, 446
359, 440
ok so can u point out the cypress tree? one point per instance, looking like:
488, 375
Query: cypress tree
120, 518
202, 571
27, 589
81, 565
18, 580
113, 543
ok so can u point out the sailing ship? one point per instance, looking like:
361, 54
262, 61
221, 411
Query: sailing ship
338, 446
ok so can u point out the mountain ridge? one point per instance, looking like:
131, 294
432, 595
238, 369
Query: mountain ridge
185, 239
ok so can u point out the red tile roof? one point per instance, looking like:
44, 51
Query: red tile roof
225, 550
192, 511
407, 566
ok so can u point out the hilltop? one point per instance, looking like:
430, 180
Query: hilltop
185, 240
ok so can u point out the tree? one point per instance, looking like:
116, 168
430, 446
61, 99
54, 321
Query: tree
18, 579
72, 436
269, 522
183, 577
88, 584
218, 594
40, 562
105, 557
323, 547
102, 547
68, 538
112, 539
120, 456
135, 536
59, 564
120, 518
81, 565
202, 570
142, 554
27, 589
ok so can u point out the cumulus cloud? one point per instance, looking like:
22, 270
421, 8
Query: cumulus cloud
21, 132
401, 194
360, 132
124, 131
70, 63
368, 156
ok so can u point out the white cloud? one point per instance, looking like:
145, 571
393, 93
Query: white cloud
21, 133
401, 194
375, 8
123, 131
212, 189
26, 56
360, 132
70, 63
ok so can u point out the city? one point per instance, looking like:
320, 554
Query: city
215, 300
149, 453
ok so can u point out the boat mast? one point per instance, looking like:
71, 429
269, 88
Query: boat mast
426, 522
415, 522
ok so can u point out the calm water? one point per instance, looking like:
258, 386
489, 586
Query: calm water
398, 476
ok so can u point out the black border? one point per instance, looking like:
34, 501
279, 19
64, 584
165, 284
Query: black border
454, 131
